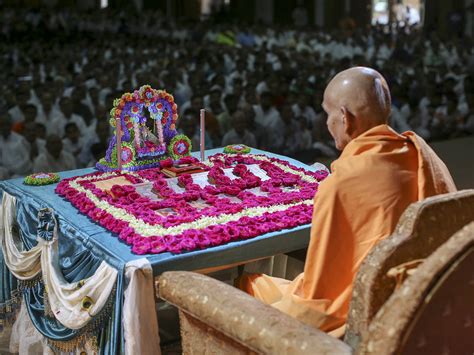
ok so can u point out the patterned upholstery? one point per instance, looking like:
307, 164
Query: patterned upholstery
219, 319
423, 227
433, 312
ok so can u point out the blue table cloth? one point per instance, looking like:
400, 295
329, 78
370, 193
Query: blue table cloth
82, 232
83, 244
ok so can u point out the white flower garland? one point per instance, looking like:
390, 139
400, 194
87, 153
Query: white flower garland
147, 230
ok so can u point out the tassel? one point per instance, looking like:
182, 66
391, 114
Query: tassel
48, 312
25, 284
88, 333
9, 309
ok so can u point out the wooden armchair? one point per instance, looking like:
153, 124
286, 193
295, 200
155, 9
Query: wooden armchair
217, 318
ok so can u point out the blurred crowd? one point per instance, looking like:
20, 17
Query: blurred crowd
261, 86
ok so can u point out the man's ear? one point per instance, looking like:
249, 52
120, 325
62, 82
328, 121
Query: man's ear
348, 119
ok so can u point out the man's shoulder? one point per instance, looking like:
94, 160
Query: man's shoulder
249, 133
41, 158
77, 117
67, 156
18, 139
350, 173
229, 134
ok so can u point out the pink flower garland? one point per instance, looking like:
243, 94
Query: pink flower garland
283, 188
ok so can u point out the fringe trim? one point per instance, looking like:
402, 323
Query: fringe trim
27, 284
79, 343
87, 335
9, 309
47, 307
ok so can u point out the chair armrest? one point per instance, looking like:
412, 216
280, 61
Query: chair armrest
243, 318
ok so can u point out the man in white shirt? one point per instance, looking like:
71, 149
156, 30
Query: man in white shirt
36, 145
268, 116
57, 125
106, 84
225, 118
54, 159
239, 133
16, 114
72, 142
100, 135
14, 154
302, 108
48, 110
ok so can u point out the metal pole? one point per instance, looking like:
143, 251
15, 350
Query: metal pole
118, 131
202, 127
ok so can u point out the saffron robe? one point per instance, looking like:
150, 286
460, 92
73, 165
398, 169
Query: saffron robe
378, 175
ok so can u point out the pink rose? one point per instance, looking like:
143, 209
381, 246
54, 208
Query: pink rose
231, 190
211, 190
202, 240
184, 179
240, 170
166, 163
187, 160
187, 244
71, 193
141, 247
133, 196
128, 188
158, 246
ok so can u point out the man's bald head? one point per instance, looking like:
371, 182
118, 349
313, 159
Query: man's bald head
356, 100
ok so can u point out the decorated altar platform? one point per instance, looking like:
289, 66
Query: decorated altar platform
82, 246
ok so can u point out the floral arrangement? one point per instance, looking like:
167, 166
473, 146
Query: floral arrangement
241, 202
179, 146
130, 105
141, 146
39, 179
237, 149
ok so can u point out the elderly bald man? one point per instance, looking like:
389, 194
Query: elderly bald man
378, 174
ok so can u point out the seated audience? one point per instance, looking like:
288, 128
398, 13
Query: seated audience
291, 67
269, 118
98, 151
54, 159
14, 153
72, 141
101, 134
58, 125
36, 145
239, 133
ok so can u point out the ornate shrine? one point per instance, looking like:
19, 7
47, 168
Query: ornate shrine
144, 125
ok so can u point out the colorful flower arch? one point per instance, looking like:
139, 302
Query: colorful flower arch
132, 134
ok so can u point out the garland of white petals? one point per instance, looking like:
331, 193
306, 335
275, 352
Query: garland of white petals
148, 230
